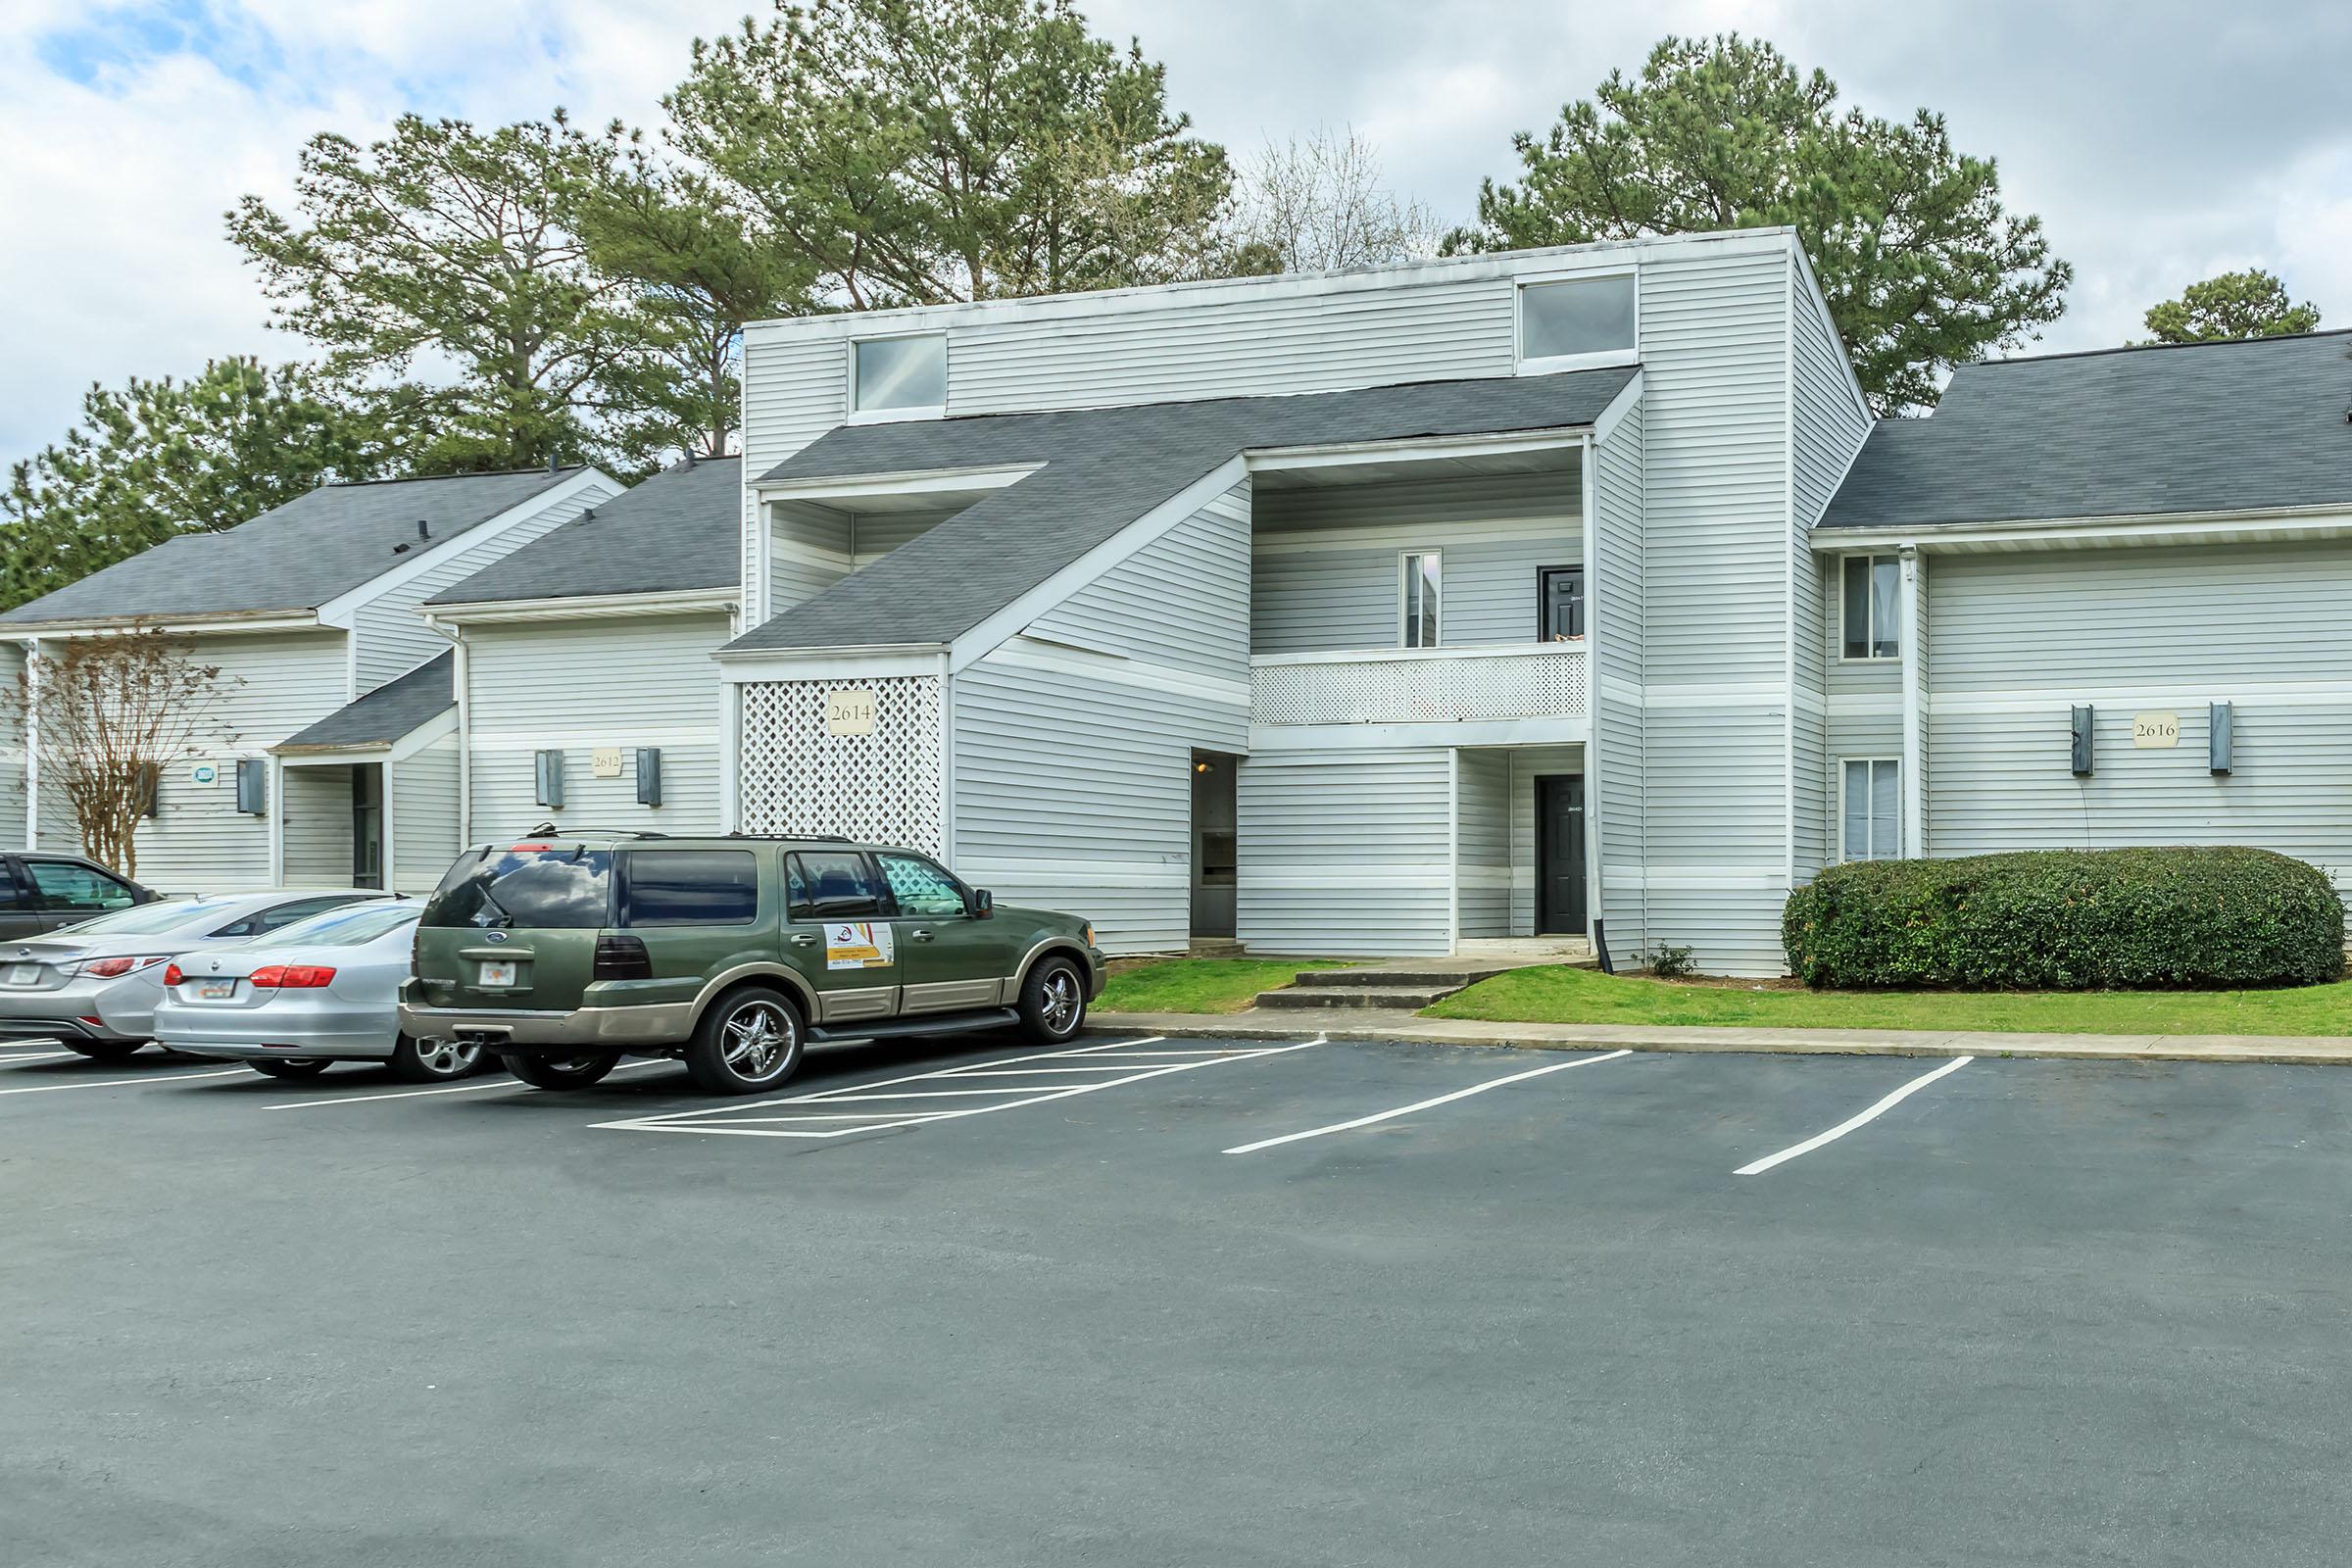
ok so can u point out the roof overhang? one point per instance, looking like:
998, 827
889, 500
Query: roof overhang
751, 664
191, 626
2251, 526
443, 725
914, 488
586, 606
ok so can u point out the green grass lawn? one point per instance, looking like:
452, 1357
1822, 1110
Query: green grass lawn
1562, 994
1202, 985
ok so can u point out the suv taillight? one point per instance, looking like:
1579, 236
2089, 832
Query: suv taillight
621, 957
293, 977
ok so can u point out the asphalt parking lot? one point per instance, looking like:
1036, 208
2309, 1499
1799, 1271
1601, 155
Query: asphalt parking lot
976, 1303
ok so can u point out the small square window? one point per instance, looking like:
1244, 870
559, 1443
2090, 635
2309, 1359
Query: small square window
1577, 318
901, 373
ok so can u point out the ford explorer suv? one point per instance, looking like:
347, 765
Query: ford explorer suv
566, 951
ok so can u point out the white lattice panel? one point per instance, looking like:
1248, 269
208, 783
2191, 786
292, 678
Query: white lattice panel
885, 787
1355, 690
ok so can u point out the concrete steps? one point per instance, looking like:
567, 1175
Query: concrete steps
1402, 988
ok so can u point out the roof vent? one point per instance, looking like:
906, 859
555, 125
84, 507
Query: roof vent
424, 529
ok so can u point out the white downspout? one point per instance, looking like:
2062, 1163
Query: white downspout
32, 743
1915, 814
462, 672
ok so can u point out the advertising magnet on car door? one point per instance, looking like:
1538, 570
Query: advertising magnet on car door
858, 945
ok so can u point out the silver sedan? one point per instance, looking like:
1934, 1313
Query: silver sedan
321, 992
93, 987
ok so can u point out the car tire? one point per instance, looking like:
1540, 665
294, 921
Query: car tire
747, 1041
434, 1062
293, 1067
560, 1072
1054, 1001
104, 1050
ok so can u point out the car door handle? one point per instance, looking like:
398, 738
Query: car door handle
920, 936
803, 939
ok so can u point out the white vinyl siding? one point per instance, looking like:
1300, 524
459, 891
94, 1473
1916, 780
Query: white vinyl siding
13, 819
1615, 614
1345, 853
1074, 742
318, 827
624, 682
1326, 560
1716, 558
1482, 842
424, 816
2018, 640
271, 684
390, 635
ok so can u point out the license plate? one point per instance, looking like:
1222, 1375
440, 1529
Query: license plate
215, 990
24, 974
501, 973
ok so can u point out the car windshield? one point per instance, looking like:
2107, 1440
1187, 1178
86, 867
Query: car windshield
145, 920
541, 887
348, 926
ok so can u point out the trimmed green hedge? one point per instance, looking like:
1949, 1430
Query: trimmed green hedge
2068, 920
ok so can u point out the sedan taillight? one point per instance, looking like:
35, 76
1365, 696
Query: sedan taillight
173, 976
292, 976
116, 969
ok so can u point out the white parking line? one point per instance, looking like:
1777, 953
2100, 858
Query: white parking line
450, 1089
1424, 1105
1008, 1096
45, 1056
1759, 1167
120, 1083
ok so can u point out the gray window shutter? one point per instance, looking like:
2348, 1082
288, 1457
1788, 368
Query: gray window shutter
2220, 726
649, 775
146, 788
550, 778
253, 786
2082, 743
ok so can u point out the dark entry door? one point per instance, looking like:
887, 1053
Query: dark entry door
1561, 856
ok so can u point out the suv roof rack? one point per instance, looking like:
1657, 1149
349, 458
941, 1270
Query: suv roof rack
791, 838
551, 830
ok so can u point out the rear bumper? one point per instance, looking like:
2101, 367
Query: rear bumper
30, 1028
121, 1009
247, 1034
582, 1029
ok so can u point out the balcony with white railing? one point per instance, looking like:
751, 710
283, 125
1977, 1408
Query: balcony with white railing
1525, 683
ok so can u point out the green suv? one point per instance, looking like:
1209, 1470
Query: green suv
568, 951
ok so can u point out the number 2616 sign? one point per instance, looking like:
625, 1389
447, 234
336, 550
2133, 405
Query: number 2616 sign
2155, 731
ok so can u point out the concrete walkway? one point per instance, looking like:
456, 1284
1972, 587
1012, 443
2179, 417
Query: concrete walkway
1359, 1023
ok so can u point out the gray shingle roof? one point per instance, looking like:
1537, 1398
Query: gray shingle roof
385, 714
2199, 427
1102, 470
679, 530
293, 558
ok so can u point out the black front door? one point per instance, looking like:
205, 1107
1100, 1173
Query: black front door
1561, 856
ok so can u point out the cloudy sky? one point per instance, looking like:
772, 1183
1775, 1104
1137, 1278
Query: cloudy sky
2161, 141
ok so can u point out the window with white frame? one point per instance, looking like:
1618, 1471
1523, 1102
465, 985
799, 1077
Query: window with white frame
1870, 809
1423, 582
1872, 616
1576, 321
902, 377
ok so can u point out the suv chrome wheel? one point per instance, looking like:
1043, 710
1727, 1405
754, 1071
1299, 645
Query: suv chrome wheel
1053, 1000
759, 1036
1059, 1001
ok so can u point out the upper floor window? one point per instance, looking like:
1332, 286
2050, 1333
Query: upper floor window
1424, 574
1871, 612
1576, 321
902, 376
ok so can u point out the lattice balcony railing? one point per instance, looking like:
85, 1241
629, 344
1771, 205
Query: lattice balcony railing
885, 785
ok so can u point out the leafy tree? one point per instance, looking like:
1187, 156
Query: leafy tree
458, 246
1316, 203
925, 151
695, 277
1922, 267
154, 458
109, 717
2235, 304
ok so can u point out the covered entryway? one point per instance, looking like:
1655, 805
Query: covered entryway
1214, 858
368, 797
1519, 843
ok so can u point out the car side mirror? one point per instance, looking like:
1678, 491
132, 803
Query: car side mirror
981, 904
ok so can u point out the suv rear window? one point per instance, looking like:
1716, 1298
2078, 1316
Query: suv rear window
533, 889
690, 887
